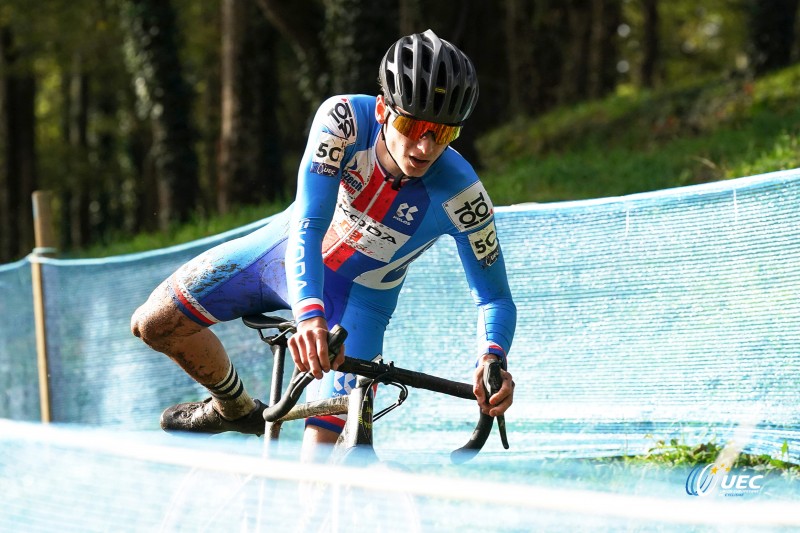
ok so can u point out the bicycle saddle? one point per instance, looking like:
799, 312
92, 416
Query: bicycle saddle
267, 322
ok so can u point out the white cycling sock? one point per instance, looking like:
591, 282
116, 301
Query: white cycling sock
231, 395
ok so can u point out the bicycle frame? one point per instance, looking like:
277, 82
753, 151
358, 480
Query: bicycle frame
358, 404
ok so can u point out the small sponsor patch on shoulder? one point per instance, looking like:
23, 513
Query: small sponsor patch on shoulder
328, 155
470, 208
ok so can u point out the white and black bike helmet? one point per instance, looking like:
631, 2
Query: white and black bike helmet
430, 79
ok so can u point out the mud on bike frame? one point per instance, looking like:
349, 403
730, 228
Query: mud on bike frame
358, 404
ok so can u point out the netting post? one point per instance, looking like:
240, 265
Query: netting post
45, 247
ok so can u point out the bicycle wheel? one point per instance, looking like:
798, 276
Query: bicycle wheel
210, 501
343, 506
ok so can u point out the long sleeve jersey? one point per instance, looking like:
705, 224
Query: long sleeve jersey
350, 226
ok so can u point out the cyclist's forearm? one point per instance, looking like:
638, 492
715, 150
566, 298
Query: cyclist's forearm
304, 269
311, 215
496, 324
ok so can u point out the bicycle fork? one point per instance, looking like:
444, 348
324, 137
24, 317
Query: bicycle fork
356, 438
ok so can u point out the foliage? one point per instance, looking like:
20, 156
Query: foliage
353, 57
627, 143
677, 453
179, 233
640, 140
703, 38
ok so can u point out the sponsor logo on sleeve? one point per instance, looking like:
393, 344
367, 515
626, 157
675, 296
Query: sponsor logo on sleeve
328, 155
342, 119
470, 208
484, 245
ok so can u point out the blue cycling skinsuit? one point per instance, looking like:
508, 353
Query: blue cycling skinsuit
369, 227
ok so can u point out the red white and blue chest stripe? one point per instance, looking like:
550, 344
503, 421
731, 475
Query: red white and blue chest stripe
373, 223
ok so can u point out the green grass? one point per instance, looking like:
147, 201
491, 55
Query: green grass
663, 468
182, 233
632, 141
676, 453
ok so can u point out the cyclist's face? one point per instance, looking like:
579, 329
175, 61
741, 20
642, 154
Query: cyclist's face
414, 157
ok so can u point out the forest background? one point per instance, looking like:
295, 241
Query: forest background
147, 116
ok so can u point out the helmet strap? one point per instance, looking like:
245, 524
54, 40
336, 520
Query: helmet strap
396, 180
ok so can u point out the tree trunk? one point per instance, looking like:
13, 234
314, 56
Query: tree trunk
549, 20
354, 56
78, 231
249, 169
301, 24
233, 23
521, 64
19, 158
211, 125
650, 42
6, 215
603, 55
577, 41
165, 98
409, 17
114, 211
772, 33
22, 155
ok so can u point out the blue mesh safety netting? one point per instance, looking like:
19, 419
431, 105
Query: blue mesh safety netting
19, 388
663, 313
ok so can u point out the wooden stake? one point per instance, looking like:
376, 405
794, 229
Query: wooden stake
45, 247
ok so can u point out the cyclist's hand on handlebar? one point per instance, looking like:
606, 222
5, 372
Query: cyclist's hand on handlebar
499, 403
309, 347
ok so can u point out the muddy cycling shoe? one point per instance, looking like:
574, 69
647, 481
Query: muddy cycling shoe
201, 417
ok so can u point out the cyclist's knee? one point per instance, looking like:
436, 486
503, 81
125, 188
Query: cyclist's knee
146, 326
157, 319
140, 324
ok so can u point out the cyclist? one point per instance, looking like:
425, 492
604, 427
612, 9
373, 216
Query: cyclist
377, 185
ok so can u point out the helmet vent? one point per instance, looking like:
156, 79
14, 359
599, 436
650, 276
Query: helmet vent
391, 83
454, 99
466, 102
407, 57
454, 60
408, 90
440, 89
426, 59
441, 76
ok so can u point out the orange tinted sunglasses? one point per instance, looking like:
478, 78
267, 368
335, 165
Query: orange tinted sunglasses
415, 129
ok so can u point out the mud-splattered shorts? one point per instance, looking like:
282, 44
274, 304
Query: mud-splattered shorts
247, 275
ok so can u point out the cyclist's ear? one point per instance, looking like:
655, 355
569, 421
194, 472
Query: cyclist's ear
381, 109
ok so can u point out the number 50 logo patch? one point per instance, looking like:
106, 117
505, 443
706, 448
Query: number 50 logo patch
469, 208
328, 156
484, 244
